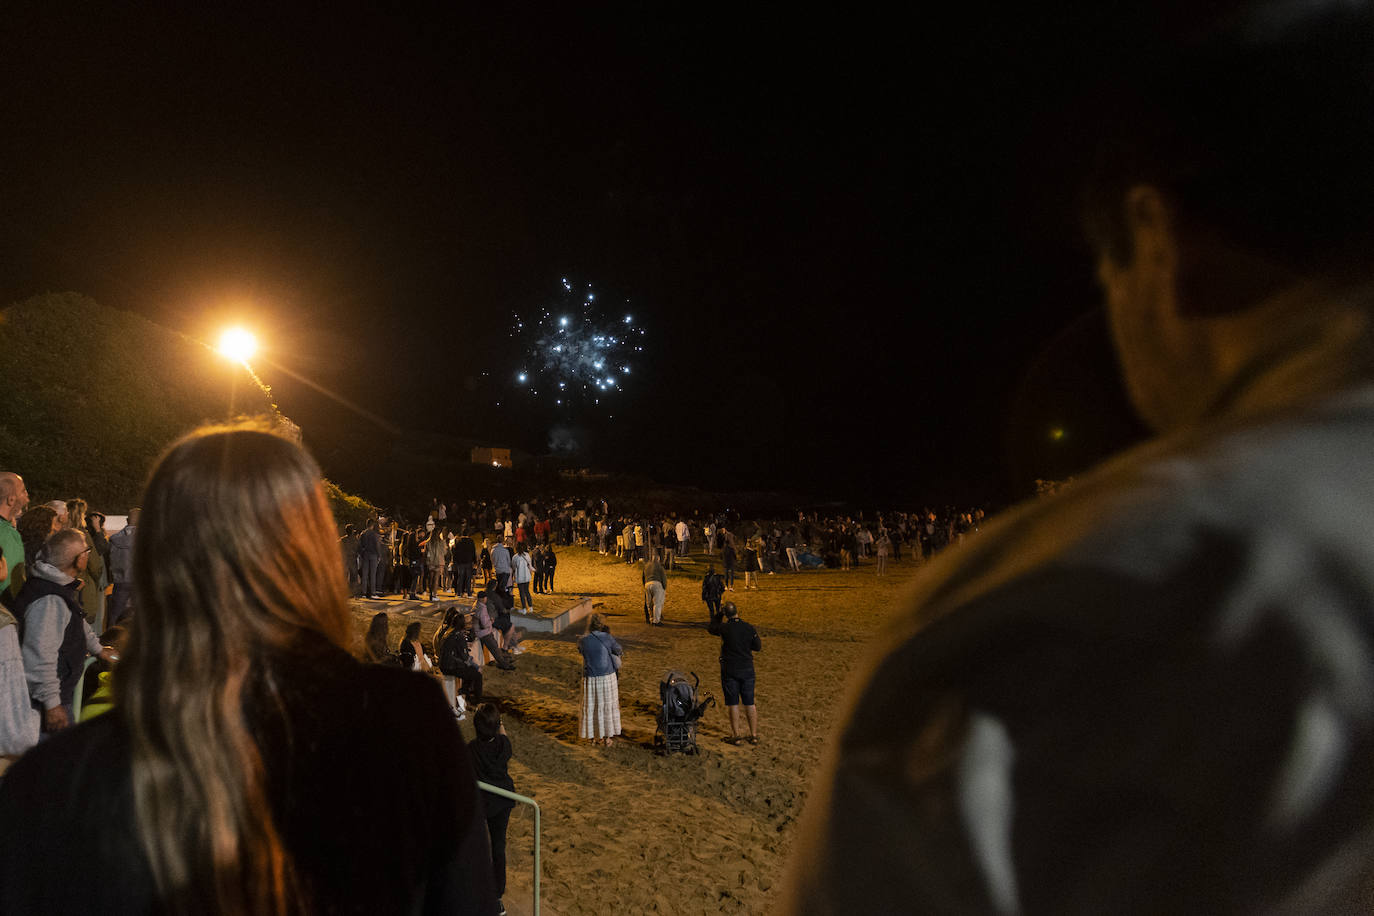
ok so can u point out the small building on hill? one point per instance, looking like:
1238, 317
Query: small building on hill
496, 457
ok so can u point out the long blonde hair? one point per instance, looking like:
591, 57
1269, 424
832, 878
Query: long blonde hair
236, 569
76, 514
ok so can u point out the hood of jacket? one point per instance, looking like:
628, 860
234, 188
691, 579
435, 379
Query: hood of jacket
44, 570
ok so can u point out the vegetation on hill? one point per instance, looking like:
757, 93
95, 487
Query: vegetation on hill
92, 395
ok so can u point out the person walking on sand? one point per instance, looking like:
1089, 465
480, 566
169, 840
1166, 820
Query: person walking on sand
738, 643
727, 558
751, 563
712, 590
484, 561
521, 571
655, 589
600, 709
883, 548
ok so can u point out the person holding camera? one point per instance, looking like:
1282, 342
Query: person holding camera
738, 643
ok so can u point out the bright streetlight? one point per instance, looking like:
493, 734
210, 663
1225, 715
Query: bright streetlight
238, 344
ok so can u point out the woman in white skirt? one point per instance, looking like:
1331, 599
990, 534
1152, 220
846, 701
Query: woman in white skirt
600, 718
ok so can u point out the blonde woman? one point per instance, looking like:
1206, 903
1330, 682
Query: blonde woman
238, 770
93, 577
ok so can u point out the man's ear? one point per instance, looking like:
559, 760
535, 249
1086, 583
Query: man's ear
1151, 225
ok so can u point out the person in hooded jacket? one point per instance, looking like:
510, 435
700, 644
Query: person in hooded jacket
55, 634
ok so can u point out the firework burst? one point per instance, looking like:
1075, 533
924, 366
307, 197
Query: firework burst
579, 351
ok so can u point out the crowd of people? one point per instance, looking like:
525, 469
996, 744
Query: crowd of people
64, 577
243, 714
518, 544
1151, 692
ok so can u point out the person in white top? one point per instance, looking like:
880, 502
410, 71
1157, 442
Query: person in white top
683, 534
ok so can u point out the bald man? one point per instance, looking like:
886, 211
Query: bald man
13, 498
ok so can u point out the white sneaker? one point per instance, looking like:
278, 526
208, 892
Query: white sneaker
459, 714
462, 704
518, 650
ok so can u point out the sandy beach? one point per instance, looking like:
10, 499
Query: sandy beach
627, 830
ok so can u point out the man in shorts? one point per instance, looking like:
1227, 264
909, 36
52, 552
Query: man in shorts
738, 643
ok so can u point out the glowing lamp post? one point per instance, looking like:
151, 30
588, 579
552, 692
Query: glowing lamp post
238, 345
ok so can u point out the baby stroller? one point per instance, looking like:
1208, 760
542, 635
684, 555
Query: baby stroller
677, 720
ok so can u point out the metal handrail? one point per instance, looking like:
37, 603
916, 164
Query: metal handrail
524, 800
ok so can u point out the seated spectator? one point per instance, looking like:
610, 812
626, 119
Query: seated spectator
485, 630
375, 650
411, 652
461, 676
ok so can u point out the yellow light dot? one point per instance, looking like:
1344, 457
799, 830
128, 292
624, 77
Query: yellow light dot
1057, 433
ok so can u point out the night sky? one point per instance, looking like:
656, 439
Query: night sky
849, 239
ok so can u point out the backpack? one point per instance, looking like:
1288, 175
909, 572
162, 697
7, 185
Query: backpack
453, 654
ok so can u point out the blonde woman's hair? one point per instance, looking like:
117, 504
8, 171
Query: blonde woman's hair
76, 513
237, 568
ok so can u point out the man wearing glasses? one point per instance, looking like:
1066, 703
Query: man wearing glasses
55, 635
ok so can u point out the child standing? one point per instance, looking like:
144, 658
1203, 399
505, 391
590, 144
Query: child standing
491, 754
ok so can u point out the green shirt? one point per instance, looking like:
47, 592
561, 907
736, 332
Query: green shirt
13, 547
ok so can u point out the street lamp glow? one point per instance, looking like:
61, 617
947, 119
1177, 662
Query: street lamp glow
238, 344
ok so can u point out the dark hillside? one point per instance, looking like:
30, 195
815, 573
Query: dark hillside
92, 395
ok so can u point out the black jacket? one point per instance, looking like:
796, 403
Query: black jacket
491, 759
464, 551
71, 654
359, 845
738, 643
